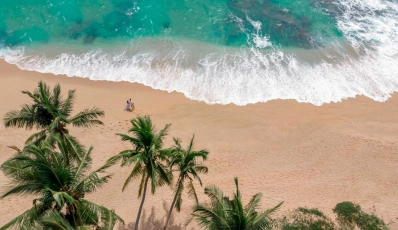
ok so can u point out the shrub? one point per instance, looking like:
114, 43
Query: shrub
305, 219
347, 212
350, 215
313, 211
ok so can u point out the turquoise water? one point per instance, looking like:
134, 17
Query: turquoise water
287, 23
217, 51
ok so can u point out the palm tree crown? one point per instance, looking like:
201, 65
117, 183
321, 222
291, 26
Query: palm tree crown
223, 213
61, 186
185, 162
147, 157
50, 113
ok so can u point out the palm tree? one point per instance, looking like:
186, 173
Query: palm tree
225, 214
51, 114
61, 186
186, 162
147, 157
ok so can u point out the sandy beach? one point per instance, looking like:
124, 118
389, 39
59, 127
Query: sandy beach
298, 153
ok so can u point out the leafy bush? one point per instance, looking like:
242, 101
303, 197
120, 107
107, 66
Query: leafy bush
313, 211
305, 219
350, 215
347, 212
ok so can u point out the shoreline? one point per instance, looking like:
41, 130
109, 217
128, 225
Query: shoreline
317, 76
305, 155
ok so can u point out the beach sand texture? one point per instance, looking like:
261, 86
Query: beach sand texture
301, 154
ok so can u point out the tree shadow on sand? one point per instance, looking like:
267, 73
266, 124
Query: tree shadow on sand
151, 222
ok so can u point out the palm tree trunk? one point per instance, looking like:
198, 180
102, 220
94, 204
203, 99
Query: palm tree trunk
172, 206
71, 215
141, 205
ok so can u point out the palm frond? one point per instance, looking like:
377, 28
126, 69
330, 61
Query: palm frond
209, 219
56, 98
24, 118
16, 170
36, 138
214, 193
125, 156
192, 191
53, 220
44, 91
190, 145
44, 170
253, 204
199, 168
268, 212
84, 163
165, 176
94, 182
224, 213
74, 147
89, 213
109, 219
67, 105
31, 188
62, 198
57, 123
87, 118
137, 171
26, 219
89, 210
133, 140
195, 174
177, 142
34, 96
158, 140
192, 156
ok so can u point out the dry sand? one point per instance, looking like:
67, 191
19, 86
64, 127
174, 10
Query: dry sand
301, 154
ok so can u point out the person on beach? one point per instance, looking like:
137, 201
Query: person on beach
128, 106
132, 105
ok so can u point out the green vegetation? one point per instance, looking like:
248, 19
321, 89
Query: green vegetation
185, 160
223, 213
51, 114
147, 155
61, 185
54, 167
303, 218
350, 216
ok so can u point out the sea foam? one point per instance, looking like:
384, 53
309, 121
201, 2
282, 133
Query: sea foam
364, 62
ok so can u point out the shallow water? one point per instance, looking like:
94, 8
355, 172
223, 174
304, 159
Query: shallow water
218, 51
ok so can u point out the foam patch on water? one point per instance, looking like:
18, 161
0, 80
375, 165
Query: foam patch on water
366, 64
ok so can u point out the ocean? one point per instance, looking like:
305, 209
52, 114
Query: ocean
217, 51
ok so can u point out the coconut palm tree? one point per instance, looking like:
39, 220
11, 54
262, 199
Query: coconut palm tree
147, 157
223, 213
51, 114
185, 160
61, 186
